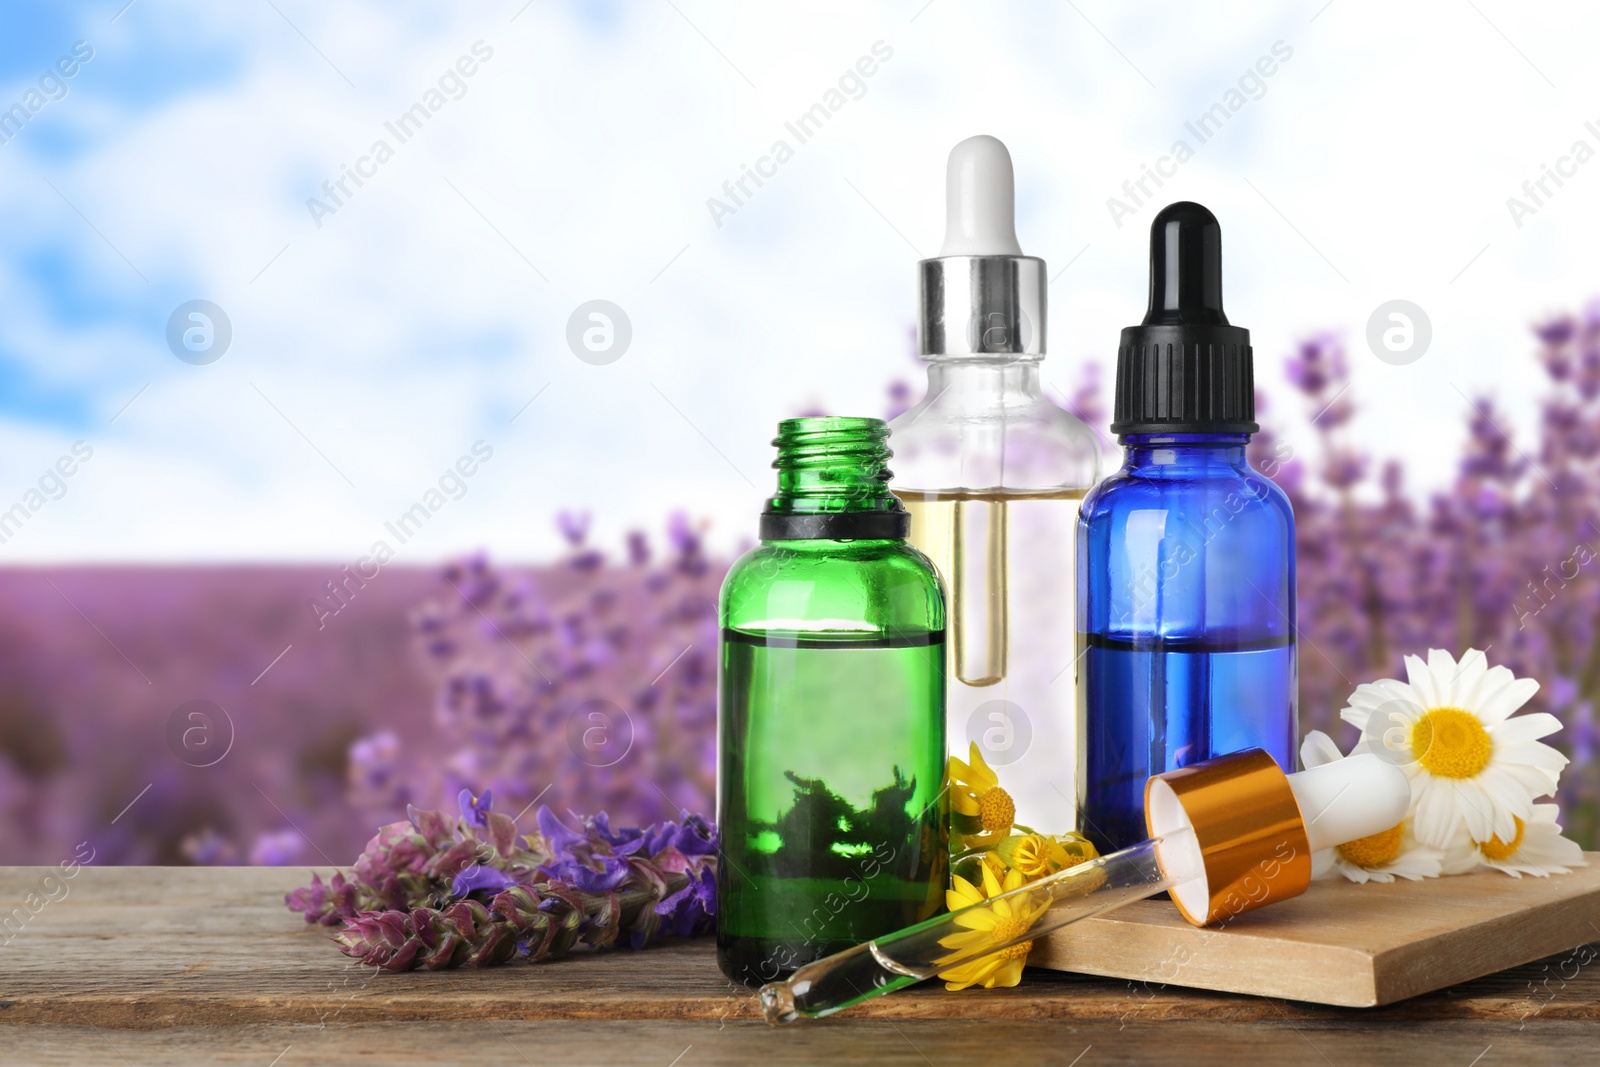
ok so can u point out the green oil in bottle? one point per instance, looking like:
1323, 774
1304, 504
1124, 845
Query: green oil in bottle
835, 814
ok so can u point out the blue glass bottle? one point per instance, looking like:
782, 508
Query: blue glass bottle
1186, 571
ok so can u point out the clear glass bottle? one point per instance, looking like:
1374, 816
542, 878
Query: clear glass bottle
831, 743
993, 474
1186, 555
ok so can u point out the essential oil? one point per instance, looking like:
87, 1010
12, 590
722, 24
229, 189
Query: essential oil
993, 473
1186, 562
831, 742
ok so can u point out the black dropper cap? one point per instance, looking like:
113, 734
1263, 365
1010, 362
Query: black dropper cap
1185, 369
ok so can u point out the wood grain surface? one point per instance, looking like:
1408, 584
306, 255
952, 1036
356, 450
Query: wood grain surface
1342, 943
198, 965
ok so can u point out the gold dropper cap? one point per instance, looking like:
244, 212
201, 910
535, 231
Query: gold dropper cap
1248, 831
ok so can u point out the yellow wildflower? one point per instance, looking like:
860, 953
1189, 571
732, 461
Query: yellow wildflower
1001, 921
981, 812
1037, 855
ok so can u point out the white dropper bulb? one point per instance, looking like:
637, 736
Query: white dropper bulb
980, 200
1350, 798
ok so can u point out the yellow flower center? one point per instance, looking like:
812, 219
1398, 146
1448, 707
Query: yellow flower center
1374, 850
996, 810
1496, 849
1451, 743
1005, 930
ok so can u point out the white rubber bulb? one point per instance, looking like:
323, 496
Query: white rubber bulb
1350, 798
980, 209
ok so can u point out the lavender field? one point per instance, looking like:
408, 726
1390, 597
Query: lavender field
535, 684
588, 684
97, 659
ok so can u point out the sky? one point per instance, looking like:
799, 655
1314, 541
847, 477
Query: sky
427, 318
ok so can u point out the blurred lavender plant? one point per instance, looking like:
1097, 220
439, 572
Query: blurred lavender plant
1505, 558
523, 658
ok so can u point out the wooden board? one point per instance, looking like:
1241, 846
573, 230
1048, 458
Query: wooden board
1342, 943
194, 965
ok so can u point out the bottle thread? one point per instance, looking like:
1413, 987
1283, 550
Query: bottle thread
833, 482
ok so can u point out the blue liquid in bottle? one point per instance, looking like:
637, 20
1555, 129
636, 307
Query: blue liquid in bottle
1186, 613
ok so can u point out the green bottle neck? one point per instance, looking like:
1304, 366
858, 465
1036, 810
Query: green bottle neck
833, 482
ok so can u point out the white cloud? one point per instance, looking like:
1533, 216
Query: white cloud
408, 326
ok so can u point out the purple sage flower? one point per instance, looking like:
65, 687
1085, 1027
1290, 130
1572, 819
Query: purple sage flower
480, 879
475, 809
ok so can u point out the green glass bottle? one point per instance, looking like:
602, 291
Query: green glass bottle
831, 743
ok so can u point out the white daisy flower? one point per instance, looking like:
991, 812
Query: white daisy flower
1537, 849
1474, 769
1380, 857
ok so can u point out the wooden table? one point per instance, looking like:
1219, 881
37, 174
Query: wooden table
204, 965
